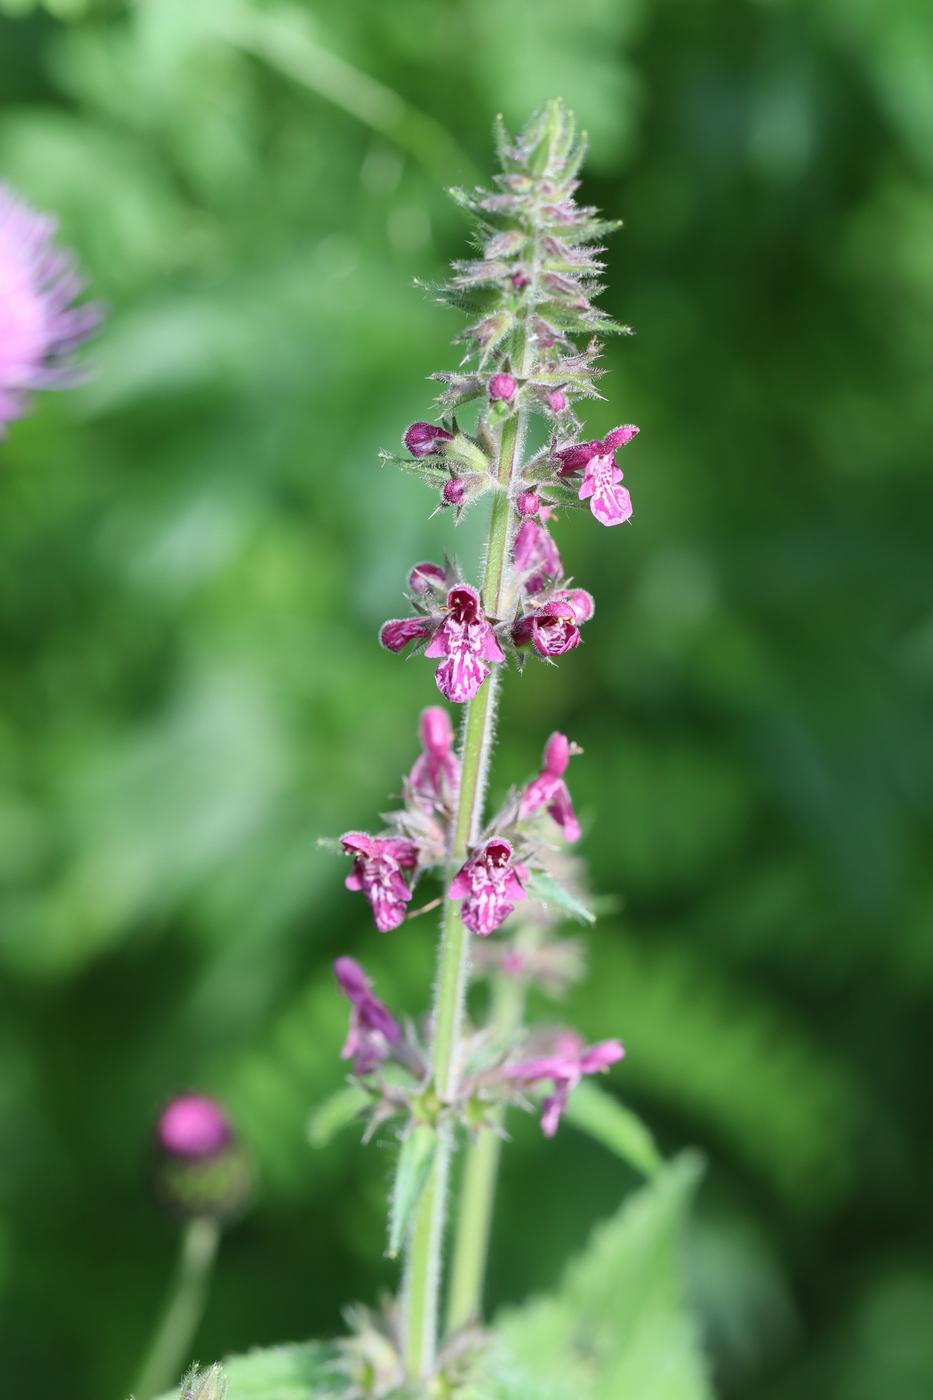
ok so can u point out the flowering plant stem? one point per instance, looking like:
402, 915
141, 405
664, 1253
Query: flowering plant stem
423, 1268
168, 1352
477, 1193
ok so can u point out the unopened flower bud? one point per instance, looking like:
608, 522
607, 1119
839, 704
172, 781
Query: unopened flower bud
528, 503
502, 386
194, 1126
426, 578
557, 401
202, 1170
519, 281
453, 492
422, 439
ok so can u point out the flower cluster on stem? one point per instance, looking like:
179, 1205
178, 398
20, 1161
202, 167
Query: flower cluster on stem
531, 350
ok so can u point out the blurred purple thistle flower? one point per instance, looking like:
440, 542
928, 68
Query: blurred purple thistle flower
435, 776
373, 1029
610, 503
377, 871
565, 1068
38, 325
490, 887
193, 1126
549, 789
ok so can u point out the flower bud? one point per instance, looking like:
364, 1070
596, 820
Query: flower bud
453, 492
502, 386
427, 578
519, 281
528, 503
422, 439
557, 401
201, 1169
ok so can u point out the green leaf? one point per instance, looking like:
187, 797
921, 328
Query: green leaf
594, 1111
414, 1164
304, 1371
544, 887
326, 1120
618, 1328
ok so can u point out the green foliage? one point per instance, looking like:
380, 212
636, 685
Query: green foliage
416, 1158
617, 1328
594, 1111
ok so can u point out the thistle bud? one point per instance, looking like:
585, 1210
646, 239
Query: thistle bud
502, 386
528, 503
201, 1169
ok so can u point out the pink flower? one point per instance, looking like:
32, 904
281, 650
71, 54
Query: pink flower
373, 1028
377, 871
465, 641
193, 1126
609, 502
536, 554
565, 1067
528, 503
435, 776
557, 401
427, 578
422, 439
489, 885
38, 325
502, 386
554, 628
399, 631
549, 789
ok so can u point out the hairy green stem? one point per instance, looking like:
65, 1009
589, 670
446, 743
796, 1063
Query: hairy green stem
168, 1352
478, 1189
423, 1260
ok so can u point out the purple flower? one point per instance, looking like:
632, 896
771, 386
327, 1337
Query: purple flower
373, 1028
423, 439
399, 631
549, 790
489, 885
565, 1068
436, 773
453, 492
38, 325
466, 642
193, 1126
536, 554
554, 628
377, 871
609, 502
427, 578
502, 386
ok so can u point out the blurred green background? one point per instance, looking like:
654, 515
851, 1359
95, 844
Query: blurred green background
196, 550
